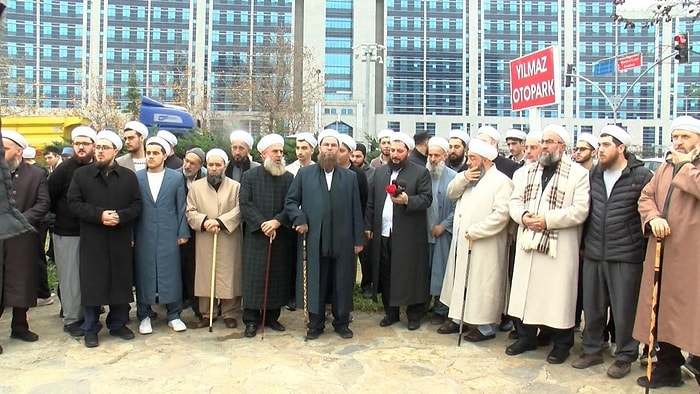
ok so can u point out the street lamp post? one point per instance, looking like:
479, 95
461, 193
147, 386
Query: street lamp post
369, 53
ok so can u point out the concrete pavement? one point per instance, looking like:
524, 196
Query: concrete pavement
383, 360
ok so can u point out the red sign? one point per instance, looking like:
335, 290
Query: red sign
535, 79
629, 62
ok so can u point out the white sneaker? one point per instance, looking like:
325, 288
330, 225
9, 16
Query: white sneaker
177, 325
145, 326
44, 301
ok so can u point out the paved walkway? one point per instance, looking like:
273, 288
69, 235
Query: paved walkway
383, 360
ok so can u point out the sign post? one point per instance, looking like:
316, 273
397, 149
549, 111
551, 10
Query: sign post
629, 62
535, 79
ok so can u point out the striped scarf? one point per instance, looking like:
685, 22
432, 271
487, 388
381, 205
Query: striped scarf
545, 241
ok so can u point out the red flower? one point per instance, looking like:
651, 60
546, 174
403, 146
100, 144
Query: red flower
391, 189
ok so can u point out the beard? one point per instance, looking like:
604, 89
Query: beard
104, 165
549, 158
327, 160
189, 173
435, 170
397, 166
215, 180
273, 168
84, 159
13, 164
455, 161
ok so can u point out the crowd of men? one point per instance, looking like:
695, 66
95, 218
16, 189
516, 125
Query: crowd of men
483, 242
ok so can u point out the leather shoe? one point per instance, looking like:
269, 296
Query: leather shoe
74, 329
413, 325
661, 377
520, 347
122, 332
437, 319
26, 336
477, 336
513, 335
449, 327
388, 320
275, 326
203, 322
506, 324
558, 355
91, 339
250, 330
344, 332
230, 322
312, 334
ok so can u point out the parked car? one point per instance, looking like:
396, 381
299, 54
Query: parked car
653, 163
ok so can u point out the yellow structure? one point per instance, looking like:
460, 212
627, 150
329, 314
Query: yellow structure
41, 131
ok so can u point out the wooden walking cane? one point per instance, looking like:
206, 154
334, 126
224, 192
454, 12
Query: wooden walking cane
464, 300
653, 323
267, 283
213, 281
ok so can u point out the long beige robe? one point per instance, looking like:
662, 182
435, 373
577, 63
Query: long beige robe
481, 211
544, 288
205, 202
679, 313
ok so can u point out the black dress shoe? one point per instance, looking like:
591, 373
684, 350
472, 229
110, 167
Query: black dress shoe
344, 332
312, 334
477, 336
520, 347
122, 332
74, 329
91, 339
291, 305
26, 336
449, 327
388, 320
250, 330
275, 326
413, 325
662, 377
558, 355
506, 324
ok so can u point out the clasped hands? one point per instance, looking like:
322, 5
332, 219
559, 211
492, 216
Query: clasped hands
534, 222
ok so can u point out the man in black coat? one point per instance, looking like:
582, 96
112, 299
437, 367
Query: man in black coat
397, 224
419, 153
241, 144
192, 170
106, 198
323, 204
493, 137
347, 146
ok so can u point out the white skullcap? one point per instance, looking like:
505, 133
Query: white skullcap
385, 133
461, 134
439, 142
216, 152
618, 132
110, 136
535, 135
242, 135
29, 153
15, 137
491, 132
516, 134
160, 141
137, 127
403, 137
348, 141
558, 130
83, 131
268, 140
328, 133
483, 149
307, 137
684, 122
590, 139
168, 136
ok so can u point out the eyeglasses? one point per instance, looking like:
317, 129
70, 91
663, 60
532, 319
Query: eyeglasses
82, 144
581, 148
103, 147
551, 142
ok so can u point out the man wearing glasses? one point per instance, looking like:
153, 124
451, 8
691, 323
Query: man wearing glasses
585, 150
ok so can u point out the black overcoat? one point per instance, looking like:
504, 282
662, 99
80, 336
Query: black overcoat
410, 273
262, 198
106, 254
304, 205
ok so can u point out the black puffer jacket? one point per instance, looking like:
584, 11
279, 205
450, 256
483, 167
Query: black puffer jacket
613, 230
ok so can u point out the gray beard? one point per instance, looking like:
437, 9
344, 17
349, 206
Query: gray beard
13, 164
215, 180
273, 168
547, 159
189, 174
435, 170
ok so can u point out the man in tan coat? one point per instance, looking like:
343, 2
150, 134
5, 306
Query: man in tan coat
213, 208
669, 211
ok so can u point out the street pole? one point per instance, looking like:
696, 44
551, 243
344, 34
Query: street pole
370, 54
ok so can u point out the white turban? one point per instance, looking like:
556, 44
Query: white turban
684, 122
15, 137
307, 137
386, 133
269, 140
242, 135
137, 127
216, 152
83, 131
29, 153
461, 134
483, 149
168, 136
439, 142
491, 132
516, 134
160, 141
329, 133
348, 141
558, 130
535, 135
618, 132
110, 136
590, 139
403, 137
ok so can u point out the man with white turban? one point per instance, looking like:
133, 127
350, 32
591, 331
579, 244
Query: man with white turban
135, 134
241, 144
304, 147
384, 140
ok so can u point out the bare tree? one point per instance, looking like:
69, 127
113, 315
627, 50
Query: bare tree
102, 110
663, 11
179, 79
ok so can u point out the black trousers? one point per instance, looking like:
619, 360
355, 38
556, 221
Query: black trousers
414, 312
19, 319
561, 338
43, 290
254, 316
327, 286
366, 266
187, 266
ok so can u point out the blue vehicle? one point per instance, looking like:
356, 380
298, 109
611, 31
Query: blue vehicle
164, 116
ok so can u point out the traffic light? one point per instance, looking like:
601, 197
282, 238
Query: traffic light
569, 79
681, 44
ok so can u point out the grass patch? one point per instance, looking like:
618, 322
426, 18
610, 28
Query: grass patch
363, 304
